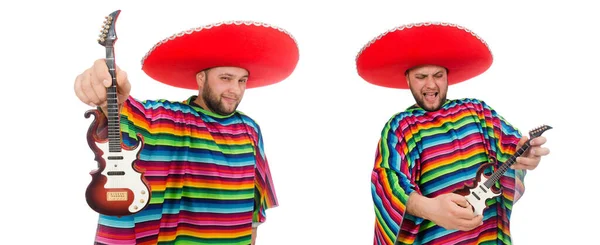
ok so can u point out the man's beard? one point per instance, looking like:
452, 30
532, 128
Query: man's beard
214, 103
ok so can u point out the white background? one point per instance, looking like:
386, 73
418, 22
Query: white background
321, 125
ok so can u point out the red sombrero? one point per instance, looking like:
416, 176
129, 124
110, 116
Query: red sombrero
384, 60
269, 53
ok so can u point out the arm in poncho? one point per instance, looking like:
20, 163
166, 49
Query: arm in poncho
133, 119
264, 190
504, 138
392, 182
137, 117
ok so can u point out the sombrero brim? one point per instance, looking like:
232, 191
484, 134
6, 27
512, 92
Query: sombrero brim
268, 53
385, 59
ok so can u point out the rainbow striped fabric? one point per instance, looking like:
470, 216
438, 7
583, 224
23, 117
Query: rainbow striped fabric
434, 153
208, 174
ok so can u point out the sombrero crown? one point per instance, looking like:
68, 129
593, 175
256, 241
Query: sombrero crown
385, 59
268, 53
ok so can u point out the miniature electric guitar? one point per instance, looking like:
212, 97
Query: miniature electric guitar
482, 187
117, 187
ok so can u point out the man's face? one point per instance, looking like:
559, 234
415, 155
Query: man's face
429, 85
222, 88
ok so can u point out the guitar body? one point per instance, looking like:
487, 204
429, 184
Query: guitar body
482, 187
117, 188
477, 193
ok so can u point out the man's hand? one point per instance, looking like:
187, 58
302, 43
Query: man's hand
90, 86
531, 158
450, 211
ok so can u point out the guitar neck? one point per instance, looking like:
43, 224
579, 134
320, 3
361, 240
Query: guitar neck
112, 114
502, 169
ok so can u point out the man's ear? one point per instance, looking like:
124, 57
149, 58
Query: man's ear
200, 78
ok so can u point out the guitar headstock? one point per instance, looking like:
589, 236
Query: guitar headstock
108, 34
537, 132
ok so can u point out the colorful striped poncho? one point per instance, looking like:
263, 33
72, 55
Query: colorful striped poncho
433, 153
208, 175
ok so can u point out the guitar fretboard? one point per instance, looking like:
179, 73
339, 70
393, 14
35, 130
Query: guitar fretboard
496, 176
112, 114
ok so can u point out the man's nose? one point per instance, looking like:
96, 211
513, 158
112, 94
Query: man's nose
235, 87
430, 82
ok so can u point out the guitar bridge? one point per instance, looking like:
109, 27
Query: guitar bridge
116, 196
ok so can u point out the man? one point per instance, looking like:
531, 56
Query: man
204, 160
436, 146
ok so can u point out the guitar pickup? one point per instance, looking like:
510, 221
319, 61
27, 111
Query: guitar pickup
115, 173
115, 157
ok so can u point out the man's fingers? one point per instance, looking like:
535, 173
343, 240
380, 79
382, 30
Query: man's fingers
538, 141
100, 91
463, 209
458, 199
539, 151
100, 72
90, 86
123, 84
522, 141
79, 91
88, 89
526, 163
517, 166
464, 213
469, 224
